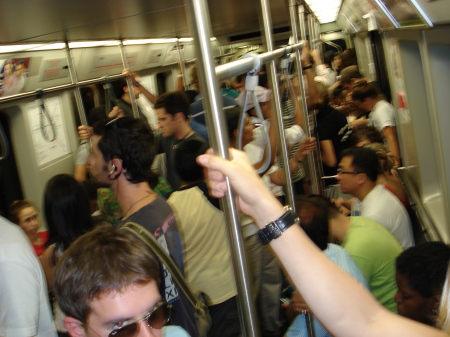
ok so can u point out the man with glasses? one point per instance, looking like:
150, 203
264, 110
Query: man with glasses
107, 283
122, 152
357, 175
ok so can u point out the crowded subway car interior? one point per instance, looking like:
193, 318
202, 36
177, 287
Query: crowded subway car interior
298, 85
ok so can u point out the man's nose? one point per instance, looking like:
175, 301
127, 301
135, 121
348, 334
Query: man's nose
146, 331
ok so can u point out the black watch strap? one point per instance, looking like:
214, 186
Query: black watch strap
309, 66
277, 227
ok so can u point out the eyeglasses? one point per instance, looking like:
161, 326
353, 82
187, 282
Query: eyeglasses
339, 171
156, 318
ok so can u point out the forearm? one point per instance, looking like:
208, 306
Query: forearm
391, 138
152, 98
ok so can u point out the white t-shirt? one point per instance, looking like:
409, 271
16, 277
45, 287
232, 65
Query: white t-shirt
382, 115
384, 207
24, 308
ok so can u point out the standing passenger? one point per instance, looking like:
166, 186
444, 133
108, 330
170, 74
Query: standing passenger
24, 308
123, 151
121, 300
172, 109
206, 247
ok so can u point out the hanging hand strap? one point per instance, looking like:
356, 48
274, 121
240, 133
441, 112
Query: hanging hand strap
154, 245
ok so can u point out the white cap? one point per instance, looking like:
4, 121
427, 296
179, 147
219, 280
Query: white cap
262, 94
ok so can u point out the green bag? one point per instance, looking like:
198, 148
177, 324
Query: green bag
194, 295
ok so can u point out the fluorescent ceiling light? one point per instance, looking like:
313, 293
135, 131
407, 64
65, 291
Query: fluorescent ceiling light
51, 46
84, 44
17, 47
325, 10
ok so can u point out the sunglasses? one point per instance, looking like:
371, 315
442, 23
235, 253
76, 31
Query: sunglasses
156, 318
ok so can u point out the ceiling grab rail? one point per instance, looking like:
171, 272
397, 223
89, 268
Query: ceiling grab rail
251, 81
334, 45
4, 144
48, 130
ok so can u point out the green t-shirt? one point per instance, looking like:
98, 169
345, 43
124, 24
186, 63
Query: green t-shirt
374, 250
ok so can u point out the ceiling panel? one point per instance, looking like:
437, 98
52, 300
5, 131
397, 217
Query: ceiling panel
45, 20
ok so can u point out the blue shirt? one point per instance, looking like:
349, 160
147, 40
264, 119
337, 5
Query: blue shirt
339, 256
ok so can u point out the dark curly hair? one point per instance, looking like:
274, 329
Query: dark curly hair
131, 140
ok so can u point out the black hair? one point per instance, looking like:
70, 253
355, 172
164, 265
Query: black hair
174, 102
131, 140
315, 212
365, 160
185, 159
67, 211
425, 267
232, 115
118, 87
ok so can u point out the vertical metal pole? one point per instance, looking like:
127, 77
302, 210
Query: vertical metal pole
312, 156
319, 42
201, 27
267, 21
130, 85
77, 90
301, 20
310, 31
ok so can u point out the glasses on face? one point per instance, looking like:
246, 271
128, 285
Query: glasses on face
156, 318
339, 171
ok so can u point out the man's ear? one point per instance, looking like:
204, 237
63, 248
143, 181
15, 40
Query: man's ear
74, 327
179, 116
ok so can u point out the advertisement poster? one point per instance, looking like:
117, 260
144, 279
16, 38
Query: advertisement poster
13, 76
47, 127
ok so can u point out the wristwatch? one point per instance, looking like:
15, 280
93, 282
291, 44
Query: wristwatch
277, 227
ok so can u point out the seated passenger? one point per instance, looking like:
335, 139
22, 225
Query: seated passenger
317, 230
324, 285
420, 276
121, 300
357, 175
207, 255
26, 215
372, 247
387, 176
366, 134
382, 114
